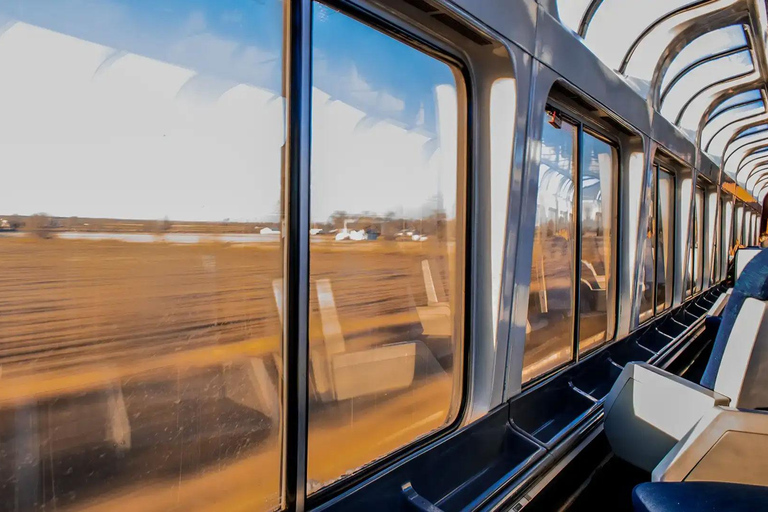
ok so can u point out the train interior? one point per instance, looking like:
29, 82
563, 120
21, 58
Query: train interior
426, 255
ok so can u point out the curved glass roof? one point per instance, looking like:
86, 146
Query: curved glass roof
737, 99
749, 131
612, 45
718, 43
698, 79
699, 63
722, 127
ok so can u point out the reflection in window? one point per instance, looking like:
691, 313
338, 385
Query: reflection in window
550, 303
141, 335
598, 171
551, 324
384, 286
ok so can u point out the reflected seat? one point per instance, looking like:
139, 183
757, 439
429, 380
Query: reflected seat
340, 374
648, 410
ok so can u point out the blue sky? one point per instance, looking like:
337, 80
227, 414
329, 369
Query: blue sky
172, 108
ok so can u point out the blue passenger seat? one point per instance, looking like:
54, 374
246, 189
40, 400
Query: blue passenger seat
649, 410
699, 497
752, 283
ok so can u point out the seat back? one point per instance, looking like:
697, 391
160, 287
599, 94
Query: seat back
752, 283
742, 257
740, 377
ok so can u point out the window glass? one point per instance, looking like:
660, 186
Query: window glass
549, 341
699, 245
704, 46
691, 116
611, 44
727, 234
656, 271
665, 236
756, 175
385, 344
691, 249
140, 247
739, 227
742, 148
708, 73
750, 131
759, 155
744, 97
719, 130
598, 172
648, 267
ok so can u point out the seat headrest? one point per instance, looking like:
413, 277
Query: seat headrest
752, 283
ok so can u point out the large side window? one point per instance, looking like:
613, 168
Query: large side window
141, 144
665, 238
647, 268
598, 191
656, 269
386, 254
738, 229
699, 250
551, 325
549, 342
727, 233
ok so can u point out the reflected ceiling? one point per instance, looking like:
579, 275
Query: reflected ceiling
701, 64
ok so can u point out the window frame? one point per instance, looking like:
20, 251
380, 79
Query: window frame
584, 124
407, 31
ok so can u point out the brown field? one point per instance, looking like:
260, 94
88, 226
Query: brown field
119, 362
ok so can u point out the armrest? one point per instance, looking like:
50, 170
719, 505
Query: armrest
726, 445
720, 303
649, 410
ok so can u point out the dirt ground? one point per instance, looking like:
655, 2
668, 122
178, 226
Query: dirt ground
117, 359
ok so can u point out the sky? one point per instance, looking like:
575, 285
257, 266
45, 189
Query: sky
150, 109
